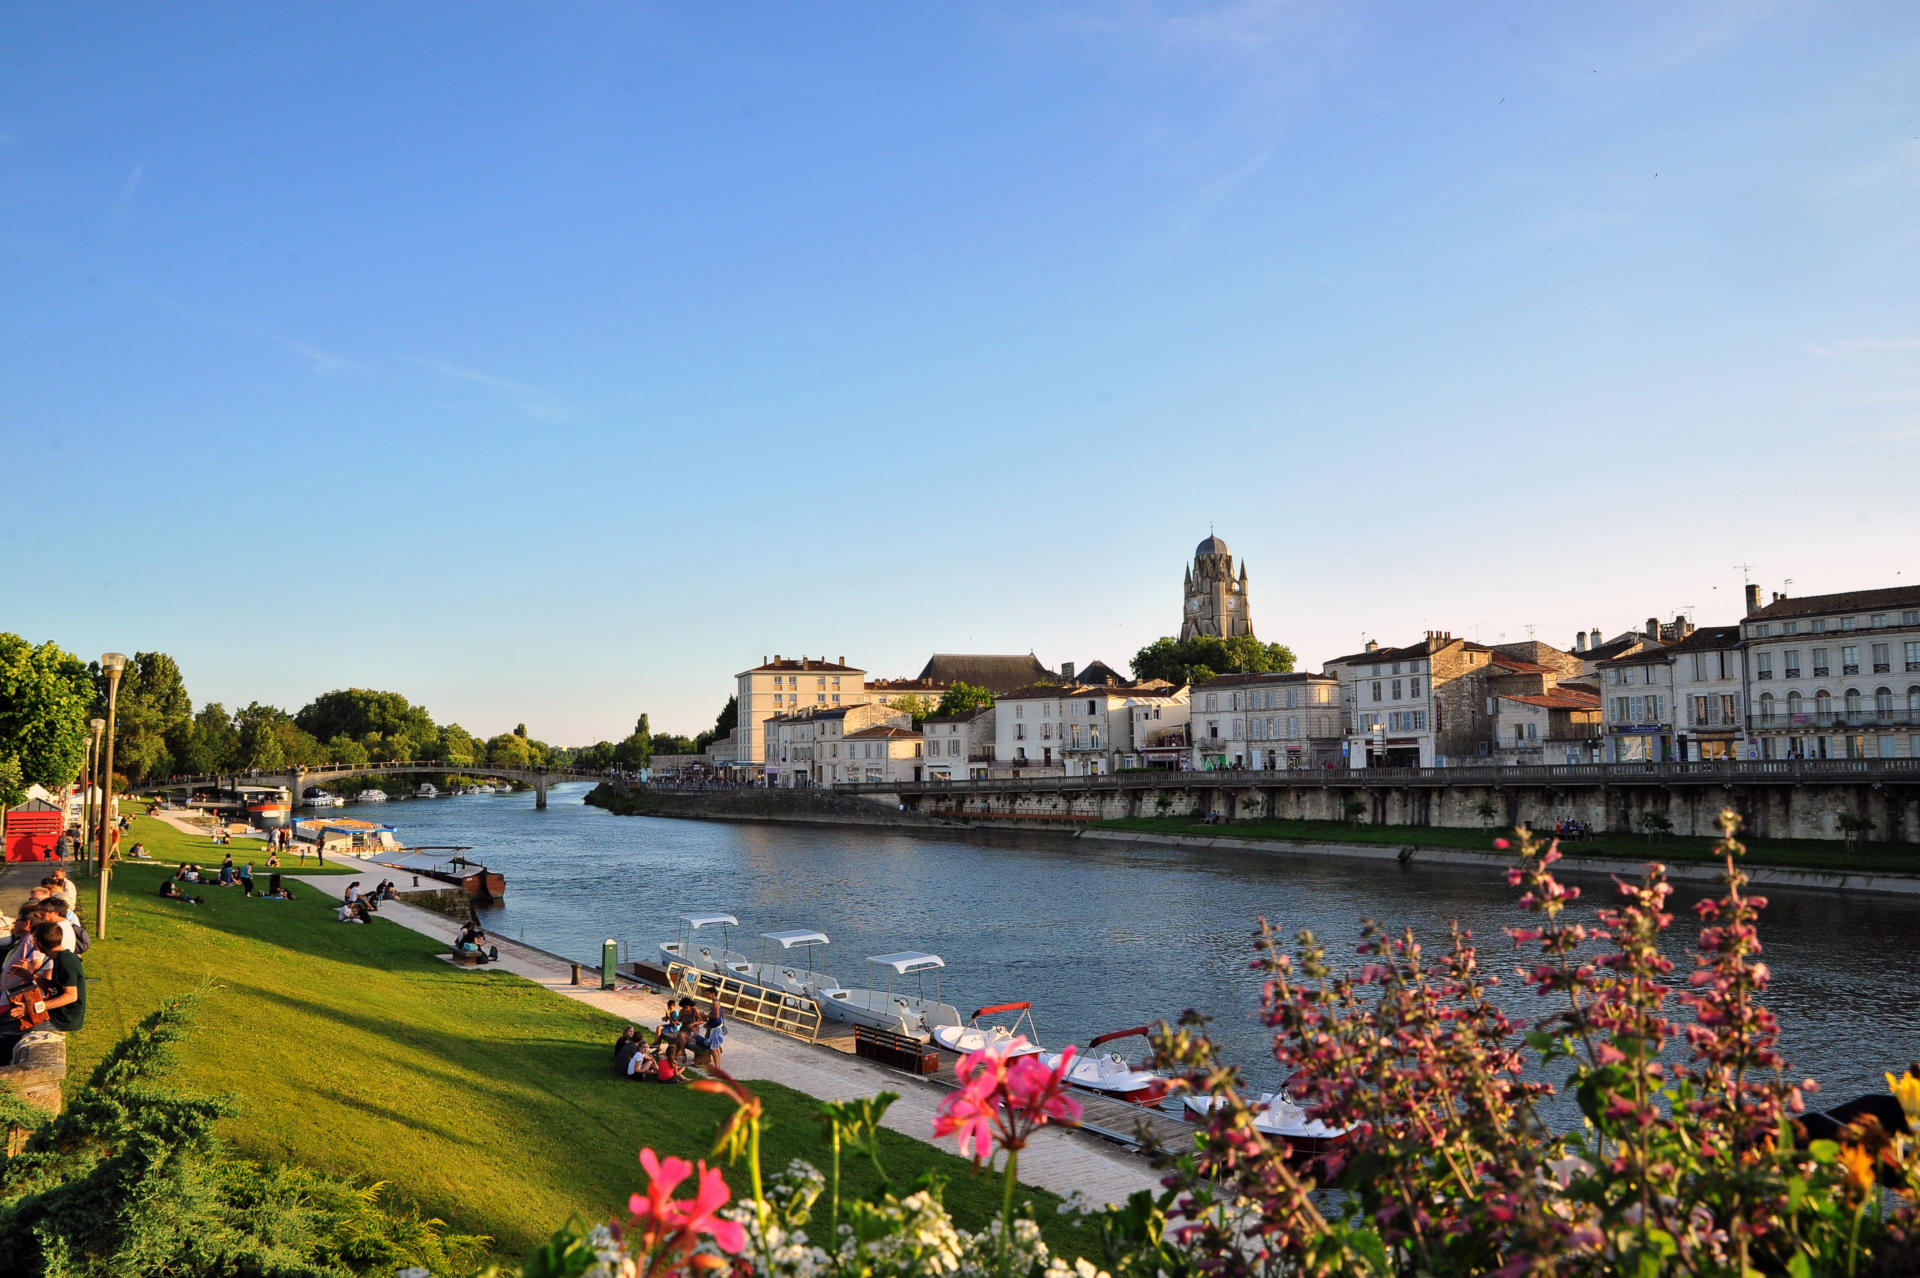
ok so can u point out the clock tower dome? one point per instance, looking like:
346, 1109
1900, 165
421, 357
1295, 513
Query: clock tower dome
1216, 601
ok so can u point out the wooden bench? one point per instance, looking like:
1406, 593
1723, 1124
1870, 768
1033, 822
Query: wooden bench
896, 1051
460, 958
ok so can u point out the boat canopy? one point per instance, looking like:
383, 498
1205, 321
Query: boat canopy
703, 920
908, 961
801, 937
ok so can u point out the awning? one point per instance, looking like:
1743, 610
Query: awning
908, 961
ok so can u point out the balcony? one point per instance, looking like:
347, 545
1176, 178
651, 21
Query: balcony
1714, 718
1075, 747
1865, 717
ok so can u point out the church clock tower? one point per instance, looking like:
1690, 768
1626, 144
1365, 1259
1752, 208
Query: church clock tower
1216, 602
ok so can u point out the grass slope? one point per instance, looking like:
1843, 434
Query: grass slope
1804, 854
171, 846
482, 1098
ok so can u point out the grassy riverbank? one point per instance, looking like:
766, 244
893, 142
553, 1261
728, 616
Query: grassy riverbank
479, 1097
1798, 854
171, 847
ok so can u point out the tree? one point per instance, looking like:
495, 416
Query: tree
262, 745
344, 749
509, 750
152, 714
457, 745
211, 744
726, 721
355, 712
1202, 657
45, 697
963, 698
919, 707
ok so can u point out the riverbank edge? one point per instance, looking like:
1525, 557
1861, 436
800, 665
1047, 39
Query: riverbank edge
1406, 854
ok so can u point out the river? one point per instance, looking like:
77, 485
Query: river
1103, 936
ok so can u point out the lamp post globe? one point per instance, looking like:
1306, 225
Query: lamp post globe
112, 663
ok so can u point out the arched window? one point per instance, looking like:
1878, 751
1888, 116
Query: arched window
1794, 703
1853, 702
1883, 703
1913, 705
1823, 705
1766, 707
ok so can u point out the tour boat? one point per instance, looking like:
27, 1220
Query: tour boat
315, 797
371, 796
1276, 1114
708, 958
1110, 1073
779, 971
266, 805
974, 1037
913, 1015
427, 790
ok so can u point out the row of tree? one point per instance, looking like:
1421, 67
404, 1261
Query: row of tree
1195, 660
47, 695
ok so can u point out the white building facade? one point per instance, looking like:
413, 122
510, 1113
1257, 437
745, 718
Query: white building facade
1834, 676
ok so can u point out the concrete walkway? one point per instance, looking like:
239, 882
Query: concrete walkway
1057, 1159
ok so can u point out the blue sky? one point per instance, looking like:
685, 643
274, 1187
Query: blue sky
554, 363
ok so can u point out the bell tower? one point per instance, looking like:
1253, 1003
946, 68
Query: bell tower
1216, 602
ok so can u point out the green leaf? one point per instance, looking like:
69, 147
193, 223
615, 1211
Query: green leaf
1824, 1151
1798, 1266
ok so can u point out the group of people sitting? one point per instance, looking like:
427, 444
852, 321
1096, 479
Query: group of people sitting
40, 975
170, 887
682, 1031
474, 941
1570, 829
360, 907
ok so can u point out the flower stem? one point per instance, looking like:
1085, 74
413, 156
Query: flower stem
1006, 1210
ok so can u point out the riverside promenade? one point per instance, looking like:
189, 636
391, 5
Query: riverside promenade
1061, 1160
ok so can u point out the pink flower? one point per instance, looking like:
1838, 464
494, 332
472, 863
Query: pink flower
1003, 1100
968, 1114
676, 1223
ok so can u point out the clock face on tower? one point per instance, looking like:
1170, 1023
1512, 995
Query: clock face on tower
1232, 604
1193, 605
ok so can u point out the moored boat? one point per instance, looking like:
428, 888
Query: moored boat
914, 1015
689, 949
1276, 1114
1110, 1073
975, 1037
778, 969
315, 797
427, 790
371, 796
266, 806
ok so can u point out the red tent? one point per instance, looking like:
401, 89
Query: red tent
32, 830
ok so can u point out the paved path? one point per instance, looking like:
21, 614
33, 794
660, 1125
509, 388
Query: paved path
1059, 1160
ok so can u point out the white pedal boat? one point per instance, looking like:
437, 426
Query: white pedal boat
975, 1037
778, 969
1111, 1074
1275, 1114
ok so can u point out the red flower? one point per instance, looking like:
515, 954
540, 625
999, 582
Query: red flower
677, 1224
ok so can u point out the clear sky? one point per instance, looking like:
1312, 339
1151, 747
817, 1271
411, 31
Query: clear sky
552, 363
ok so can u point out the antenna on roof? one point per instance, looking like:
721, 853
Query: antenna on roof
1745, 570
1530, 629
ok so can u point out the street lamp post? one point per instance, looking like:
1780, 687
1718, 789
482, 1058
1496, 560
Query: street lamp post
87, 801
112, 663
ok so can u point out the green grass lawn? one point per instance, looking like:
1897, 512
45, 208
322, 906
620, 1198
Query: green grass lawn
481, 1098
1806, 854
172, 847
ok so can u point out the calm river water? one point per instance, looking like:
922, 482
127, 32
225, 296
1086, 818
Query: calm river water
1106, 936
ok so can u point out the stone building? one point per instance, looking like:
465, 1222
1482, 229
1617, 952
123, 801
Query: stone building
1835, 676
959, 747
783, 685
1266, 721
1216, 603
810, 747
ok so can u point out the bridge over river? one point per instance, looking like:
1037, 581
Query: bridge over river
296, 781
1799, 798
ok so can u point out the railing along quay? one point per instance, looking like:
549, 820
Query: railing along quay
1764, 771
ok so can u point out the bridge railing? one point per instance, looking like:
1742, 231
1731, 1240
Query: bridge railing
322, 771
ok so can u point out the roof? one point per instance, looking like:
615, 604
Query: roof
799, 936
886, 731
1653, 655
966, 717
1292, 676
997, 673
1412, 652
1040, 691
1211, 546
1709, 638
1056, 691
783, 665
1559, 699
1517, 666
703, 920
1847, 601
1100, 672
906, 685
907, 961
1615, 647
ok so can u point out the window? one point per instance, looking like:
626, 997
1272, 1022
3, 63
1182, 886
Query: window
1046, 732
820, 697
1293, 724
1763, 666
1292, 693
1882, 658
1376, 690
953, 746
1820, 666
1794, 703
1019, 732
1620, 709
1819, 625
1396, 667
836, 698
1019, 711
1413, 667
1913, 656
1213, 702
1883, 702
820, 682
1913, 705
1793, 664
1848, 623
1413, 687
1766, 707
1823, 705
1396, 689
1762, 629
1886, 746
1910, 617
1790, 628
1850, 659
836, 681
1639, 705
1879, 620
1613, 677
1853, 701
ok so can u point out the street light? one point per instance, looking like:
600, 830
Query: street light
113, 663
87, 800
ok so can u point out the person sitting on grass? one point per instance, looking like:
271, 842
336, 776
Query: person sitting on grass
712, 1034
170, 890
356, 897
277, 892
226, 871
273, 860
472, 941
625, 1047
354, 912
140, 853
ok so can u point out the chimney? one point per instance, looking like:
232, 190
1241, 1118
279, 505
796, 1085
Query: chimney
1593, 640
776, 656
841, 662
1372, 646
1753, 599
1653, 627
1580, 641
1066, 671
